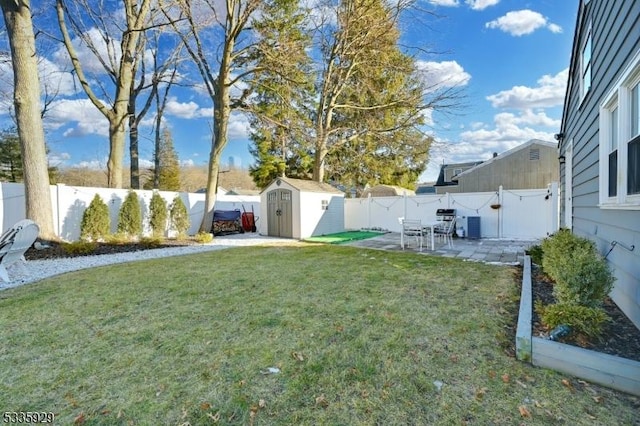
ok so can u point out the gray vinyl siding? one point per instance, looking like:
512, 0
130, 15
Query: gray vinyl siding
615, 40
513, 171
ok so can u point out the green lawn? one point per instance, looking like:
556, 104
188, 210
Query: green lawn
359, 337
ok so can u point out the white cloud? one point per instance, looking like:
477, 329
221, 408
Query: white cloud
90, 64
522, 22
182, 109
481, 4
446, 3
508, 130
549, 92
56, 159
238, 127
554, 28
80, 111
443, 74
93, 164
145, 164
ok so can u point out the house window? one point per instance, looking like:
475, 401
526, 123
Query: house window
324, 204
613, 152
586, 66
456, 172
620, 141
633, 148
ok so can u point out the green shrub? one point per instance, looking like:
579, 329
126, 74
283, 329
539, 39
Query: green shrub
95, 220
117, 238
130, 218
582, 276
158, 218
179, 216
536, 254
203, 237
557, 249
582, 319
586, 279
81, 248
151, 242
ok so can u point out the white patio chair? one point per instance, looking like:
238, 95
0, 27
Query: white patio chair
446, 232
14, 243
412, 228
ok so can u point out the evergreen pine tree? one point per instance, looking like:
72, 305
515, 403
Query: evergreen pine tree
169, 172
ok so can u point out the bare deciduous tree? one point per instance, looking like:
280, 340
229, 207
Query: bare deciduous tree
117, 60
17, 17
217, 37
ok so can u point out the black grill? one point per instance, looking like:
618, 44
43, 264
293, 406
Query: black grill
446, 214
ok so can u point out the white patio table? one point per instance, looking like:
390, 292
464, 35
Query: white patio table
432, 227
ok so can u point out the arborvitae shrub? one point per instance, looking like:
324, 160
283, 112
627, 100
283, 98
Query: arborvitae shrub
95, 220
582, 319
203, 237
151, 242
582, 276
179, 216
80, 248
158, 218
130, 217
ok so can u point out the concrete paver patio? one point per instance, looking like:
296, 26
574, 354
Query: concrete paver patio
502, 251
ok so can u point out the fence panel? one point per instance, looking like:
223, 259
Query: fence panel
518, 214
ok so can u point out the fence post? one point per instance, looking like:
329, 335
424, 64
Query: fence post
554, 210
369, 210
405, 203
58, 213
500, 210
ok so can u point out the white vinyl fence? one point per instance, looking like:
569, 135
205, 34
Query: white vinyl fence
522, 213
70, 202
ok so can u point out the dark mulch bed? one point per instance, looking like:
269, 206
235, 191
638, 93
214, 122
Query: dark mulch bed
620, 337
55, 250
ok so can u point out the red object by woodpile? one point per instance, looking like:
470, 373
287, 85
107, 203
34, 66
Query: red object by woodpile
248, 220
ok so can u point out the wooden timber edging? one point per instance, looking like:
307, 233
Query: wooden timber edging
612, 371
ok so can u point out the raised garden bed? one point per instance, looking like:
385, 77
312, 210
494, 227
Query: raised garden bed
608, 370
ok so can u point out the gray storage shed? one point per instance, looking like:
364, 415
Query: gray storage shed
296, 208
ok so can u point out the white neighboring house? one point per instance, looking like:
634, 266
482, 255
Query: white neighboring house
295, 208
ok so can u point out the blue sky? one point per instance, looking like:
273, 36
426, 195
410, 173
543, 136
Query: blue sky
509, 57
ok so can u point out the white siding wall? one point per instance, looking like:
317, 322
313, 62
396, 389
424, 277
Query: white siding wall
316, 221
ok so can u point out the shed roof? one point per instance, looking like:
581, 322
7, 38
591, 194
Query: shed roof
307, 185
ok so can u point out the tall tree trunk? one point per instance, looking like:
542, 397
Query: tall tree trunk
116, 152
156, 154
222, 113
17, 17
133, 149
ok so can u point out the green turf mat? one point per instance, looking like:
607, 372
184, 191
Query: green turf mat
343, 237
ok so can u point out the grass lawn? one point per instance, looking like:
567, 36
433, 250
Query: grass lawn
358, 337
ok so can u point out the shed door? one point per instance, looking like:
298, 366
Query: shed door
279, 213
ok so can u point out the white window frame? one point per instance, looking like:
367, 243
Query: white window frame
620, 96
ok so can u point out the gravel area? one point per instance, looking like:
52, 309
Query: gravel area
22, 273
